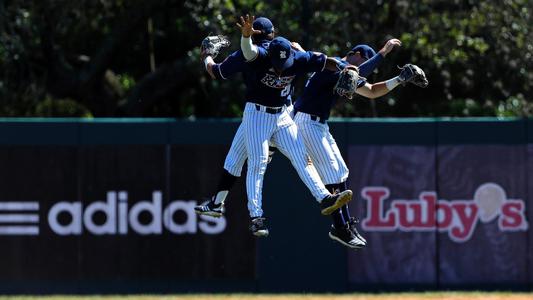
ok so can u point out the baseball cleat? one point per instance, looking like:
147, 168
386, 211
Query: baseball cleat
346, 237
209, 208
258, 227
351, 223
334, 202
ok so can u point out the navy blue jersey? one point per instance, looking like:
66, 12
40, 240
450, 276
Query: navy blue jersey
235, 63
267, 88
318, 96
263, 85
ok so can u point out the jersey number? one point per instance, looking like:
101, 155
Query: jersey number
286, 91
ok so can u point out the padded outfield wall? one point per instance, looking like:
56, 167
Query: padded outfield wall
105, 206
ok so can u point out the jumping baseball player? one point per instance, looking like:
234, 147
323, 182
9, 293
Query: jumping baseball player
237, 154
266, 119
312, 111
233, 64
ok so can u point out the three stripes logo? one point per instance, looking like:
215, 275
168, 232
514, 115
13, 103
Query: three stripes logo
19, 218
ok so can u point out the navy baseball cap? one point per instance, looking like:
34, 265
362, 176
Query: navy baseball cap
263, 24
366, 51
280, 53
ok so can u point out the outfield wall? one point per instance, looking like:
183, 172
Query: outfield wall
105, 206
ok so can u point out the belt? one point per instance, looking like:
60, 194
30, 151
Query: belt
269, 110
312, 117
318, 119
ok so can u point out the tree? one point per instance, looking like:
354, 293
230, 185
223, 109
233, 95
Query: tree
140, 58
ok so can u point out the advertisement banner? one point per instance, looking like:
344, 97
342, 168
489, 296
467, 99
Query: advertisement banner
379, 175
446, 216
487, 185
97, 213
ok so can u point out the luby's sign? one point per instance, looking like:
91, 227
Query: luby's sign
458, 218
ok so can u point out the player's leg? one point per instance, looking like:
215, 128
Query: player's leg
272, 148
316, 137
291, 144
237, 154
342, 172
232, 169
258, 126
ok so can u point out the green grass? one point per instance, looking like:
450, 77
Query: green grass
353, 296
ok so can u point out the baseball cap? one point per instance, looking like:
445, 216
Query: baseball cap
366, 51
280, 53
263, 24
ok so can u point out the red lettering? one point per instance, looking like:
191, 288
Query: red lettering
375, 197
409, 214
463, 226
429, 218
512, 216
444, 215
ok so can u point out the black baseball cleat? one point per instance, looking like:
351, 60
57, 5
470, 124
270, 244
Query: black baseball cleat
258, 227
345, 236
351, 223
334, 202
209, 208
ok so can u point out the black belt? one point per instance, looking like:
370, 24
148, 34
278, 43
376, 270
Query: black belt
270, 110
318, 119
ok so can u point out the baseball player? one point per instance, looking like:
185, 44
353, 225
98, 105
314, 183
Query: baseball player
237, 154
266, 119
233, 64
312, 111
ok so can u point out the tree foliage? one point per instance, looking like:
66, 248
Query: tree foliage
141, 58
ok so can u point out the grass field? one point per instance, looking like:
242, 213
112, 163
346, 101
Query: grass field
388, 296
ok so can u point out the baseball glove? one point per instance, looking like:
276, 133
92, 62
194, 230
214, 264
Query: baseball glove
413, 74
347, 83
211, 45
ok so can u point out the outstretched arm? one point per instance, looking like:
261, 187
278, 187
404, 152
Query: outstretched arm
249, 50
409, 73
379, 89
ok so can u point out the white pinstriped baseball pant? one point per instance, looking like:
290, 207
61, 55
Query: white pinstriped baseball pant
322, 148
261, 127
236, 156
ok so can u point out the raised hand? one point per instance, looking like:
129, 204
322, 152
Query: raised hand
389, 45
246, 27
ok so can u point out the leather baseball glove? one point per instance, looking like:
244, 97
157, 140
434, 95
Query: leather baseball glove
347, 83
413, 74
211, 45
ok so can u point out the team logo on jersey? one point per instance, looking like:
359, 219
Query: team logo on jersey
282, 54
458, 218
276, 82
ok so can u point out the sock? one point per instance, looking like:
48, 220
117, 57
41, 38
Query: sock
338, 220
220, 197
344, 210
225, 184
